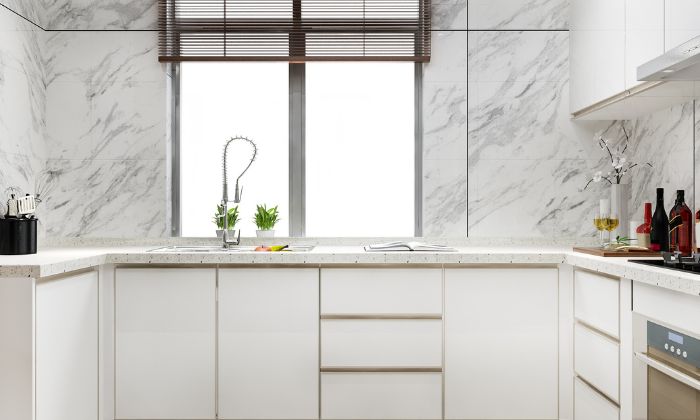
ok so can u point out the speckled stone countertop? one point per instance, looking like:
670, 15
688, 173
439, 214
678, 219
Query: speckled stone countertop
63, 259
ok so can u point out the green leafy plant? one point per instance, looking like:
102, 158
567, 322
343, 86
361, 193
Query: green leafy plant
233, 217
266, 219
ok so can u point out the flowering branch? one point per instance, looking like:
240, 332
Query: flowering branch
618, 160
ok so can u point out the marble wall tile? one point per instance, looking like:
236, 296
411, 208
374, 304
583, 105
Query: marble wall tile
445, 136
106, 133
22, 103
32, 10
518, 14
449, 15
524, 153
107, 198
103, 14
101, 58
444, 198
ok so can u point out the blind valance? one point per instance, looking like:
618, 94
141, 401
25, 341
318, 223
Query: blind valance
294, 30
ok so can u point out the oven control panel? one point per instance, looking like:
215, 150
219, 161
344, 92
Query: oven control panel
681, 346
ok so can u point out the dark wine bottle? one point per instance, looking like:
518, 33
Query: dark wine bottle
681, 226
659, 224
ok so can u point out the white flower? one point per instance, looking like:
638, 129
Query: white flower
598, 176
619, 161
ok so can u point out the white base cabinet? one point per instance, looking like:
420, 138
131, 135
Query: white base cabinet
67, 348
268, 343
501, 343
165, 343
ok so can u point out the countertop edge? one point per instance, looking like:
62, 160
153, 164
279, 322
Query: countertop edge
617, 267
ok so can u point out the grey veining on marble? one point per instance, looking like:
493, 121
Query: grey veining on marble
106, 135
22, 102
109, 198
445, 137
518, 14
524, 153
103, 14
449, 15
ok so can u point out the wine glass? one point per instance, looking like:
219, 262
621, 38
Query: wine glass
612, 223
600, 223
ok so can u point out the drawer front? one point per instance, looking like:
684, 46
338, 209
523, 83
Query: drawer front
381, 291
381, 396
597, 360
597, 302
589, 405
381, 343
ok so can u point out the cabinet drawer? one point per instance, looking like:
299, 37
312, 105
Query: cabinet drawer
381, 343
381, 396
381, 291
597, 301
597, 360
589, 405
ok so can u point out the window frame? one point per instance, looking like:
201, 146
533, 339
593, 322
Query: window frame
297, 149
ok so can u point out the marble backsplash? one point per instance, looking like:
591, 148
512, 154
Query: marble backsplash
22, 102
501, 154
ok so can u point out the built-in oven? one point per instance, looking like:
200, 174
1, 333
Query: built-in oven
666, 373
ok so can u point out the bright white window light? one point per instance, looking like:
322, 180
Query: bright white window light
360, 149
219, 101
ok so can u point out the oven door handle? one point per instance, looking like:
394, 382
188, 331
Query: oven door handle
668, 370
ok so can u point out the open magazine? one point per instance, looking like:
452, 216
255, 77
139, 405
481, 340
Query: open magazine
408, 246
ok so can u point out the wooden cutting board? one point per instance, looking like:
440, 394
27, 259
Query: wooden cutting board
612, 253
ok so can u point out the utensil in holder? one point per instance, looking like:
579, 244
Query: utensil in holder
18, 236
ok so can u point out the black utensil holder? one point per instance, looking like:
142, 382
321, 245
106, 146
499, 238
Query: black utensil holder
17, 236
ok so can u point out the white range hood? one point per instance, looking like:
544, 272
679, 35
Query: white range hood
679, 64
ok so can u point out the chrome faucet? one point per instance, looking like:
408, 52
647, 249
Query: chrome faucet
239, 191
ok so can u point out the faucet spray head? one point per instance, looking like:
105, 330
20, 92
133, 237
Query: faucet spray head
238, 194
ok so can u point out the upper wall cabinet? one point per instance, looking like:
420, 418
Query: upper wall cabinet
682, 21
610, 39
644, 35
597, 51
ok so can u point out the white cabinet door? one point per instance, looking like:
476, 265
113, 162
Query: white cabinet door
597, 61
268, 343
67, 348
682, 21
501, 343
165, 343
644, 35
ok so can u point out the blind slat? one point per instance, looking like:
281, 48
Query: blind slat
294, 30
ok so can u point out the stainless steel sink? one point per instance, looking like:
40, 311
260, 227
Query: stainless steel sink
221, 249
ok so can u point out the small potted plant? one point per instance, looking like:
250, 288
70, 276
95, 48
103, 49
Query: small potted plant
265, 220
233, 219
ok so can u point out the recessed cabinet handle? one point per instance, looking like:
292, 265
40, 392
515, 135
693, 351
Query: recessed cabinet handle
668, 370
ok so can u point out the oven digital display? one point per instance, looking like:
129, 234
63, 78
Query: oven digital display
676, 338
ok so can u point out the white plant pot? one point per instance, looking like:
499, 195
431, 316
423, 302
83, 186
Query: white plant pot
232, 233
619, 199
265, 233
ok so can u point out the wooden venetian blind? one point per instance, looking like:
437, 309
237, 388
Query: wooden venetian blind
294, 30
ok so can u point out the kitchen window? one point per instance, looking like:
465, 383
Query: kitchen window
339, 159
